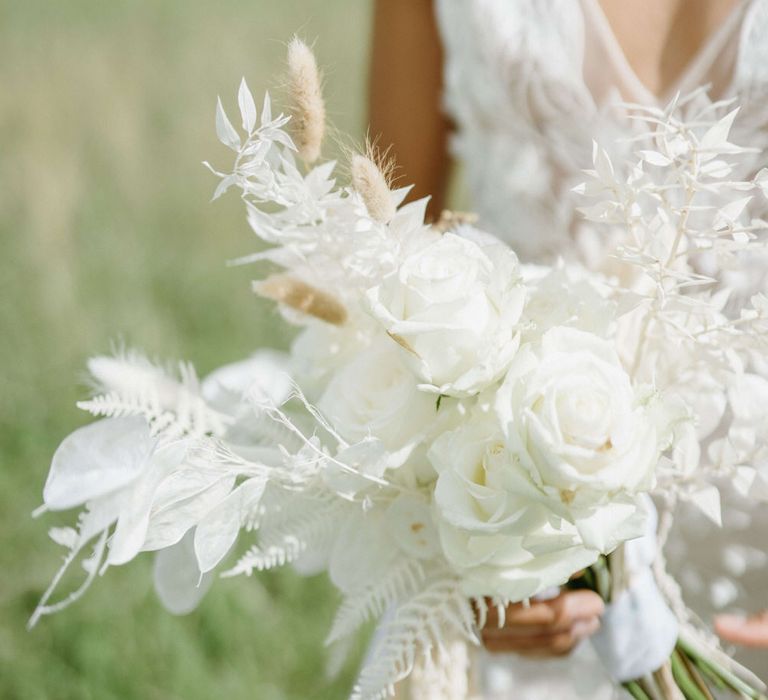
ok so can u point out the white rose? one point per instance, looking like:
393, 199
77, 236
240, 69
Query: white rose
572, 419
411, 525
264, 375
454, 306
376, 395
510, 567
565, 296
496, 528
322, 348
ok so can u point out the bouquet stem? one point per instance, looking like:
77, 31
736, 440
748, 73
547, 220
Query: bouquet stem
689, 674
635, 689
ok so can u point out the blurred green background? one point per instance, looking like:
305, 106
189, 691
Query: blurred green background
107, 232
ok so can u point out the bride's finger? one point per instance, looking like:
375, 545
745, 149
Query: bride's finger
537, 613
577, 605
749, 632
556, 613
548, 644
559, 612
532, 631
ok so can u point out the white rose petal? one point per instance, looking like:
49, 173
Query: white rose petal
565, 296
377, 395
454, 307
571, 415
501, 565
411, 526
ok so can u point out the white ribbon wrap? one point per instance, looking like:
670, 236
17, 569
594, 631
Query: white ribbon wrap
638, 631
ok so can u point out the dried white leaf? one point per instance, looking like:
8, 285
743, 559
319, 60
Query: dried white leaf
217, 531
717, 136
65, 536
224, 129
655, 158
728, 214
602, 163
96, 460
716, 169
743, 480
179, 584
761, 181
247, 107
266, 110
707, 499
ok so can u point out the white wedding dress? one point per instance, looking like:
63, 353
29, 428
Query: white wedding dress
530, 84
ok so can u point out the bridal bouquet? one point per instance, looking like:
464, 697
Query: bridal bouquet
451, 430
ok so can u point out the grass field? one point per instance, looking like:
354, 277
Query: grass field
107, 232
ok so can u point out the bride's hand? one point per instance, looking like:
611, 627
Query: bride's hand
546, 627
749, 632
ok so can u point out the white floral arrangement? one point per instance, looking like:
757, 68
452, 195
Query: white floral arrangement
451, 430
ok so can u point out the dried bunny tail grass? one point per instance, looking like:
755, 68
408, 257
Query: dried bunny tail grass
302, 297
371, 178
383, 158
306, 97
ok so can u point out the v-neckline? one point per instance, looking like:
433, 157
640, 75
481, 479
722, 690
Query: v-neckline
689, 78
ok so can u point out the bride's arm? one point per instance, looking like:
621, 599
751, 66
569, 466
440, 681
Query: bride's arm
405, 93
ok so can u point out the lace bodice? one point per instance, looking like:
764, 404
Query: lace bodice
530, 84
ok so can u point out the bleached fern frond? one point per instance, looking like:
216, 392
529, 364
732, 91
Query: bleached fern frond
132, 385
289, 529
401, 580
443, 676
313, 519
420, 625
114, 405
259, 558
